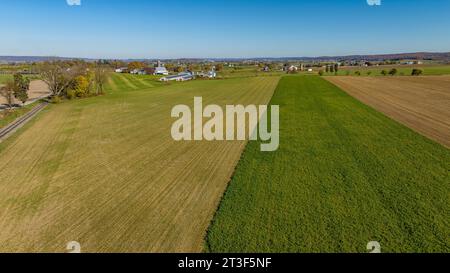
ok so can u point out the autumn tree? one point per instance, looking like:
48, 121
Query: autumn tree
58, 77
81, 86
219, 67
193, 67
170, 67
21, 87
100, 78
136, 65
7, 92
207, 67
178, 69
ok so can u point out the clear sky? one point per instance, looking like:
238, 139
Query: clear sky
221, 28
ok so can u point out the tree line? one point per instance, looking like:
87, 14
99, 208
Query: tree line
15, 89
70, 81
384, 72
65, 79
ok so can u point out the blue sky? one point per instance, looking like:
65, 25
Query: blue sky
221, 28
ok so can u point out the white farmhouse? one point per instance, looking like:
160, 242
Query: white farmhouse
181, 77
161, 70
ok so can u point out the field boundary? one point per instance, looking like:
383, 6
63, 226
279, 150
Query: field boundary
409, 108
207, 246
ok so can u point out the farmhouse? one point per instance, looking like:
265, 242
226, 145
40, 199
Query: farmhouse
121, 70
181, 77
291, 68
211, 74
161, 70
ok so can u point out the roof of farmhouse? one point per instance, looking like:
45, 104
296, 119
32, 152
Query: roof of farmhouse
181, 75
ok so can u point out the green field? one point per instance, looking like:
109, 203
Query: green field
4, 78
344, 175
128, 82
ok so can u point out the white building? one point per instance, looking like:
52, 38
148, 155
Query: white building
161, 70
211, 74
181, 77
121, 70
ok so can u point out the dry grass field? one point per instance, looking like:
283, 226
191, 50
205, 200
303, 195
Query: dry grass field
105, 171
421, 103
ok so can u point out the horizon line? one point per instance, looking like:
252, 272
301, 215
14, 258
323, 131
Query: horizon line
229, 58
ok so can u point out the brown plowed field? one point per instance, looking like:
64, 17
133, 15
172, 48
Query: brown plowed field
37, 89
421, 103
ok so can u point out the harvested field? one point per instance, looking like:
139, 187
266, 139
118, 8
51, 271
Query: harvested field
105, 171
421, 103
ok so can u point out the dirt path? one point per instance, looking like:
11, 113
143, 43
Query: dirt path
421, 103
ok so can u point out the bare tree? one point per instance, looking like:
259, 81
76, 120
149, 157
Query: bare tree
7, 92
100, 77
58, 76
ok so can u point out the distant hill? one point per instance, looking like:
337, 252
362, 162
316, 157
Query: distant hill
30, 59
434, 56
445, 56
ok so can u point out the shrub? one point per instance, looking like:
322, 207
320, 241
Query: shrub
71, 94
357, 73
393, 72
416, 72
81, 86
320, 72
384, 72
56, 99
